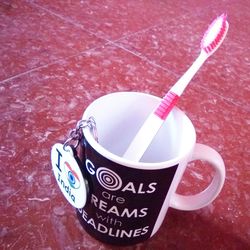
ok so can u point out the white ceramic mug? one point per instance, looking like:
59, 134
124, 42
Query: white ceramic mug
127, 201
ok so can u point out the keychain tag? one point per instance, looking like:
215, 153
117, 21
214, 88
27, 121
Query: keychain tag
68, 175
65, 166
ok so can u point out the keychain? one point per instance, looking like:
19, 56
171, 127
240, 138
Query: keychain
76, 134
66, 164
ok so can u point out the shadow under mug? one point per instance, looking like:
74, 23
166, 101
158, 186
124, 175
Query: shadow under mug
127, 201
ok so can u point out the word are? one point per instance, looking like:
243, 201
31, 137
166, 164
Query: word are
113, 197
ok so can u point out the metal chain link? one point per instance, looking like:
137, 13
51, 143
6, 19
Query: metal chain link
76, 133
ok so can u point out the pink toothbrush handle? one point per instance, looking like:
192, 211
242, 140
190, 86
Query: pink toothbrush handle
166, 105
210, 43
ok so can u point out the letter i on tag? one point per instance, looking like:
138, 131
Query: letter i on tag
66, 168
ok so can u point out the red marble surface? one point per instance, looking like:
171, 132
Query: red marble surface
58, 56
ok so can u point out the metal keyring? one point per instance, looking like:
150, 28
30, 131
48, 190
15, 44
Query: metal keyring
67, 143
92, 126
76, 134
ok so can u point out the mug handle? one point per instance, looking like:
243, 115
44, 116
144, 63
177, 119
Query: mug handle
202, 199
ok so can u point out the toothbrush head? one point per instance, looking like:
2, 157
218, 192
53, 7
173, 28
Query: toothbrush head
215, 35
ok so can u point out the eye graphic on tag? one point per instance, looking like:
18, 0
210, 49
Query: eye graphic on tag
68, 175
72, 176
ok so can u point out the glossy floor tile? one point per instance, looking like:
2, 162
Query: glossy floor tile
112, 20
31, 37
57, 57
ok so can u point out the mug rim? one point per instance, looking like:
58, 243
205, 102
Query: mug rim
129, 163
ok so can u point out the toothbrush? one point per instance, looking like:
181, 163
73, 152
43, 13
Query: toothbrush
211, 41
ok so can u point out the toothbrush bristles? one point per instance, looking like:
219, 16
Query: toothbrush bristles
209, 47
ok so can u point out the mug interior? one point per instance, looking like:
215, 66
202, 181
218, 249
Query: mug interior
120, 115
